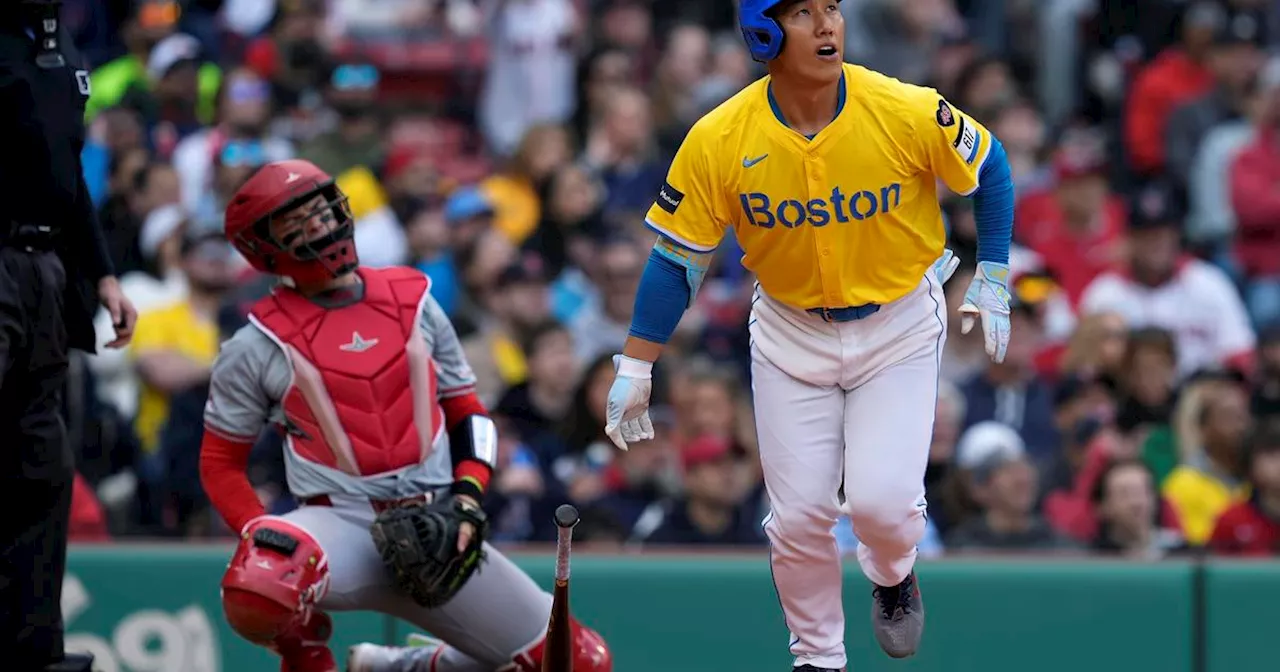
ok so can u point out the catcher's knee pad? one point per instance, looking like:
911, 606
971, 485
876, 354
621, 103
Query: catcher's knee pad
590, 652
278, 573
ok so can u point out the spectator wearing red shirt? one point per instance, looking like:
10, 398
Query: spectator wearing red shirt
1175, 76
1252, 527
1255, 196
1078, 227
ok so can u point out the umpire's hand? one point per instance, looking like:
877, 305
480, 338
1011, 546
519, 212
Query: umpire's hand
123, 315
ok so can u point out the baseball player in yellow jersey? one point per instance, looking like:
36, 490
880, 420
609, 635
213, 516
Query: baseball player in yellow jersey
828, 174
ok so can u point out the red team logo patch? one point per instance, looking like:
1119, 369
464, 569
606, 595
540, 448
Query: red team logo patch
945, 116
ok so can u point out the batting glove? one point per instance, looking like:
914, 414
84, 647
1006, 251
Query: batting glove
627, 409
988, 298
945, 266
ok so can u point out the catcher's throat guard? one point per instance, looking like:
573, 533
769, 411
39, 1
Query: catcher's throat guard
419, 547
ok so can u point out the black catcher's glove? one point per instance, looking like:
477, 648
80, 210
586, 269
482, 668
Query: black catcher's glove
419, 546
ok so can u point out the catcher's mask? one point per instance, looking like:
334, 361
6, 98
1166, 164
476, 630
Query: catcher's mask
293, 190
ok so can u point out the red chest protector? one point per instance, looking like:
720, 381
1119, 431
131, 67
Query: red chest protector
362, 399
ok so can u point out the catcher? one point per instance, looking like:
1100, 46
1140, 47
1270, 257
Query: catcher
388, 451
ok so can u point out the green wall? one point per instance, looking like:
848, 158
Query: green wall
154, 608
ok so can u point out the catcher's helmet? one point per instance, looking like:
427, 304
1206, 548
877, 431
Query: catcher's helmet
275, 190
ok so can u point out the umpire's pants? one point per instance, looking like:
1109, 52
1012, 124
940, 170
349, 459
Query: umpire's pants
36, 464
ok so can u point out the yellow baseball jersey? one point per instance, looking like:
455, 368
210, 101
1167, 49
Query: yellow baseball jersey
847, 218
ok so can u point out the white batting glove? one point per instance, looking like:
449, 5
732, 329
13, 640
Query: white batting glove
945, 266
988, 298
627, 409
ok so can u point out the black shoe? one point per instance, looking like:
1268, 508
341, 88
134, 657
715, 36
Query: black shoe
810, 668
897, 617
73, 662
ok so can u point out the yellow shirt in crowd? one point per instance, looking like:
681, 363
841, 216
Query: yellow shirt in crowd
1200, 497
174, 328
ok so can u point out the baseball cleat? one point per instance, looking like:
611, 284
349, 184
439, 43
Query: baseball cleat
897, 617
810, 668
378, 658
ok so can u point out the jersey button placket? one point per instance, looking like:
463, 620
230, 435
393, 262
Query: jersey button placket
816, 174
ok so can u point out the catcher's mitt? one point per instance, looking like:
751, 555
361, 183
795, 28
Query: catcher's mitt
419, 546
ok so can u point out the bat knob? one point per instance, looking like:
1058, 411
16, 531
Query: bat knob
566, 515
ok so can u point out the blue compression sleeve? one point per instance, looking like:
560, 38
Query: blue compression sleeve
993, 206
660, 300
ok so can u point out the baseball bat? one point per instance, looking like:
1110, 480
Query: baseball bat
557, 656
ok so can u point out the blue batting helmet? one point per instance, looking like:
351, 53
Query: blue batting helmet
762, 33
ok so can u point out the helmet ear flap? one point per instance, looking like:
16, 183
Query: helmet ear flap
762, 33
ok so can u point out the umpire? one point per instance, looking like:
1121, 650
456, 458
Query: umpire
54, 270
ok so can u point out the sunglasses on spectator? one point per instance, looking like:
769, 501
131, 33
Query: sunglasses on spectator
354, 77
238, 154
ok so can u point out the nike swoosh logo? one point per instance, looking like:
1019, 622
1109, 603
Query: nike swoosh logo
747, 163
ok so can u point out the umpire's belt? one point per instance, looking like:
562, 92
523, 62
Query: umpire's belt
29, 237
845, 314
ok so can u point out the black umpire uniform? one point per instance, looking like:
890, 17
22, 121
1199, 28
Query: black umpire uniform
52, 254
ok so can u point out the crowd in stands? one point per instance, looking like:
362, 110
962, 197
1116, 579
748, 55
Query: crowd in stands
509, 149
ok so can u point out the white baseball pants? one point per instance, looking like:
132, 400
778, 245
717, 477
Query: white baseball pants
851, 402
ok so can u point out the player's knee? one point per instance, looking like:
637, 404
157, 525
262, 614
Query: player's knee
796, 528
883, 516
277, 574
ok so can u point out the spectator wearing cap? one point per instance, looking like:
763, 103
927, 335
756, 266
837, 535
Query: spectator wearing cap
1235, 58
1211, 476
1252, 527
170, 105
1011, 393
711, 510
1161, 286
243, 113
1004, 484
351, 91
234, 162
1255, 195
148, 24
1077, 227
1179, 73
1129, 514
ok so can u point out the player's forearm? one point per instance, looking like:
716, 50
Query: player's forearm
224, 465
670, 280
993, 207
473, 444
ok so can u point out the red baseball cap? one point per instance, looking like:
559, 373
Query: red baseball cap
707, 449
